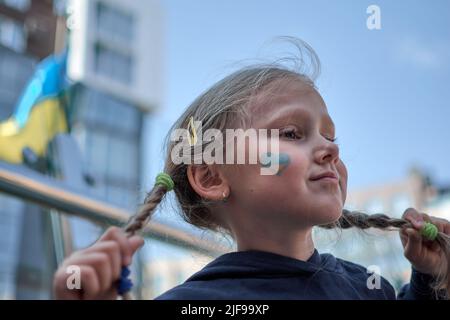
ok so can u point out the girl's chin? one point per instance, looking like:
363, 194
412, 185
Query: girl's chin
331, 215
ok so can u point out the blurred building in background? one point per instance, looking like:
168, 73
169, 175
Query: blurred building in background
28, 26
115, 63
115, 57
382, 248
27, 34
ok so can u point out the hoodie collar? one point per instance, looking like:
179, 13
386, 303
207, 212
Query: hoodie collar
261, 263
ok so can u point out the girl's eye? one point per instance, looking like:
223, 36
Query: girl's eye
291, 134
331, 139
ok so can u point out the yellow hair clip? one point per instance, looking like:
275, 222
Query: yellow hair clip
192, 132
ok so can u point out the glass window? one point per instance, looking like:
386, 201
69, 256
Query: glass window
103, 109
15, 71
21, 5
12, 34
129, 117
98, 106
118, 153
114, 23
98, 152
113, 64
122, 159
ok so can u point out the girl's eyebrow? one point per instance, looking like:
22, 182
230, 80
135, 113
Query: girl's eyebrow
296, 113
291, 113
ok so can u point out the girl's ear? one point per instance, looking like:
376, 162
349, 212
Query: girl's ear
208, 181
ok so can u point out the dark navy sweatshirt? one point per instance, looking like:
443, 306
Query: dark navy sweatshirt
263, 275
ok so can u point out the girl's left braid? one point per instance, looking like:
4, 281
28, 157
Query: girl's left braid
429, 231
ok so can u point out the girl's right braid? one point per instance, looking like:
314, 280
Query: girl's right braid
163, 184
138, 221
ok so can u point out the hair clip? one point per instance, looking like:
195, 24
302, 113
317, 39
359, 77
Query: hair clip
192, 132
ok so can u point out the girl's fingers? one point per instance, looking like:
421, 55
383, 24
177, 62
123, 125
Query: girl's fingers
403, 237
413, 216
60, 287
90, 284
112, 249
118, 235
100, 266
128, 246
434, 246
418, 219
413, 246
100, 263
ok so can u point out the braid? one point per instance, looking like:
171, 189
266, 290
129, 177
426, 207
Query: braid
138, 221
362, 220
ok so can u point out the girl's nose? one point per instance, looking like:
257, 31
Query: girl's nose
326, 152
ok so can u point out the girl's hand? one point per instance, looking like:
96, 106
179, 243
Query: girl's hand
425, 256
100, 266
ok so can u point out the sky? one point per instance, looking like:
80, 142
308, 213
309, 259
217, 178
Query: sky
387, 90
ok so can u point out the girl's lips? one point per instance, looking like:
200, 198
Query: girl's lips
327, 179
325, 175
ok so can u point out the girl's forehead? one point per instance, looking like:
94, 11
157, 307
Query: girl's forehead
291, 99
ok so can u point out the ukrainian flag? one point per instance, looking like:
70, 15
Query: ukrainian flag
40, 113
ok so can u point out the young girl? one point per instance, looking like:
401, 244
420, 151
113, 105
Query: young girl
269, 216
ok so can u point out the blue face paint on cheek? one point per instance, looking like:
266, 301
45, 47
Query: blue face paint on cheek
268, 160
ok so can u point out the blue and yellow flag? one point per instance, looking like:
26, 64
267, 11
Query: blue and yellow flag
40, 113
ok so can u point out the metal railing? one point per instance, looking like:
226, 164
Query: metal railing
30, 185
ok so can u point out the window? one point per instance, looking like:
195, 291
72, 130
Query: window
15, 71
101, 110
119, 152
128, 120
12, 34
113, 64
98, 152
115, 33
21, 5
114, 23
110, 131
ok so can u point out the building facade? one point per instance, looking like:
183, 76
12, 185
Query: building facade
115, 65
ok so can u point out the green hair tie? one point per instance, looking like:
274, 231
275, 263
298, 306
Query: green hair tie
429, 231
163, 179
